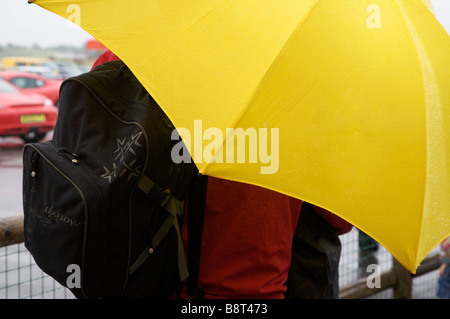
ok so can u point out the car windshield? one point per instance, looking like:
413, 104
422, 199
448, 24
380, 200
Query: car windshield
6, 87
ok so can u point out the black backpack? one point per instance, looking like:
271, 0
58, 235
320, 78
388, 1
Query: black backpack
103, 201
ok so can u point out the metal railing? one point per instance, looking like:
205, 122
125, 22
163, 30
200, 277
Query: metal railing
21, 278
397, 278
395, 282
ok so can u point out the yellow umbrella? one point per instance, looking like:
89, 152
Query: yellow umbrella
344, 104
428, 4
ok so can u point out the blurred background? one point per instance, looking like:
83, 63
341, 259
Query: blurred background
31, 31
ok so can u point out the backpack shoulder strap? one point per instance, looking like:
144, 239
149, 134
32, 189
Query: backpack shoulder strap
175, 208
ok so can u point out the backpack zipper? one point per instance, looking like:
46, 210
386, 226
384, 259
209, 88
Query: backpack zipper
68, 155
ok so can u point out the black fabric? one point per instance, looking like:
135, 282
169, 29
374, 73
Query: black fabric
316, 250
195, 217
82, 205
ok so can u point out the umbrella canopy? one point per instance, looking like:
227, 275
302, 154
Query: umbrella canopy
428, 4
344, 104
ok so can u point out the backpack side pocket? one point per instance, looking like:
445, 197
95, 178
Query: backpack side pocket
60, 203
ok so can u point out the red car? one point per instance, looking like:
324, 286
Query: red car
30, 82
27, 115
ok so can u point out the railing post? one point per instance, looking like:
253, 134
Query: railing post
11, 230
403, 281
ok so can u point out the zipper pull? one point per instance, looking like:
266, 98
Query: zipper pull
72, 156
34, 160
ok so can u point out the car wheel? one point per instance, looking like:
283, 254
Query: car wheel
32, 137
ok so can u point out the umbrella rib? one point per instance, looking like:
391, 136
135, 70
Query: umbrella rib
258, 88
433, 123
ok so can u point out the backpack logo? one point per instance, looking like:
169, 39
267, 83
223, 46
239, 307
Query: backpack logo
125, 159
52, 215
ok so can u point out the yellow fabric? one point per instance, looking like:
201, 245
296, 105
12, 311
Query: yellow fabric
359, 90
429, 5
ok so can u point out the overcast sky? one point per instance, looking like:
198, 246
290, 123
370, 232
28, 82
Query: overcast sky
26, 24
